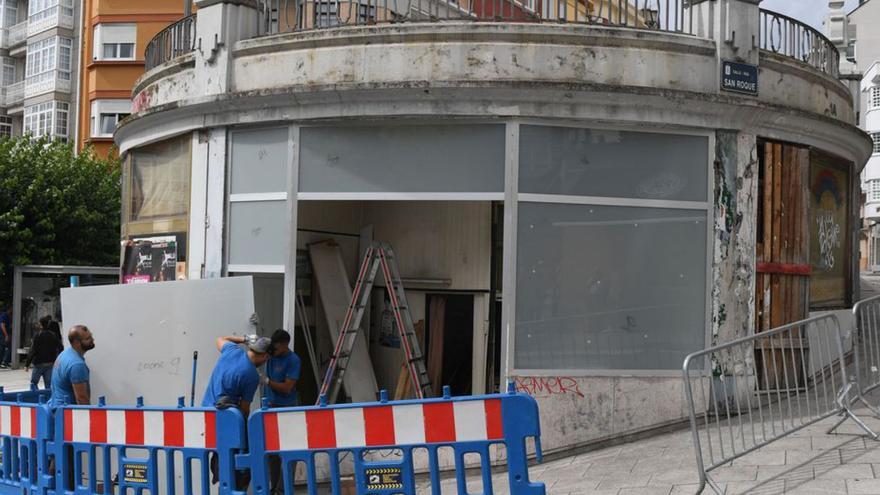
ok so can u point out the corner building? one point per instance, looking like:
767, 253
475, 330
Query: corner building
575, 201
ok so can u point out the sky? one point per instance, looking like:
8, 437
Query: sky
812, 12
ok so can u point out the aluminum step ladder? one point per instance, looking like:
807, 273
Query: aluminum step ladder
378, 256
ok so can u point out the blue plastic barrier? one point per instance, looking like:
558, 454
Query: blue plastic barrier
25, 430
145, 448
467, 425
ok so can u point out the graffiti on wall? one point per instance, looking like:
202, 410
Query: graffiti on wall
829, 214
541, 387
829, 237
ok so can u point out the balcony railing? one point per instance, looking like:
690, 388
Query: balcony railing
279, 16
792, 38
13, 94
60, 15
173, 41
18, 34
47, 82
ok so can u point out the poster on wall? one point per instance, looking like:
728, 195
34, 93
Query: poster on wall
152, 259
829, 244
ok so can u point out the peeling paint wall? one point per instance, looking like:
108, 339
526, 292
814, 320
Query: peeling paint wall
733, 261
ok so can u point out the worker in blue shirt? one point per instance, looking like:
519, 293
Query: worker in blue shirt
70, 374
234, 382
279, 387
282, 372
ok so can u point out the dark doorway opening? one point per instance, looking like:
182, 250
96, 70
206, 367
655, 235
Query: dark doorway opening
450, 341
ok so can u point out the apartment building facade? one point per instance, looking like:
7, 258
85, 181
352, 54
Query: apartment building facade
115, 36
38, 40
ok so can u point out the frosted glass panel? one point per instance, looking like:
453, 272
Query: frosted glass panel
257, 233
449, 158
604, 288
259, 160
585, 162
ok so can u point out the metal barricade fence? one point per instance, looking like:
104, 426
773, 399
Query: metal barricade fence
745, 394
866, 348
120, 450
25, 430
467, 425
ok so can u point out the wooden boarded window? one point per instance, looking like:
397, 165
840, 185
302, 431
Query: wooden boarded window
783, 263
783, 257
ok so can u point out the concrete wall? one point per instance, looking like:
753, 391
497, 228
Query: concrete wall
867, 21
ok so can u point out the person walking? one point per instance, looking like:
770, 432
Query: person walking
279, 386
6, 338
45, 348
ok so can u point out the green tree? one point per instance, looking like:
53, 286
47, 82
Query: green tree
56, 207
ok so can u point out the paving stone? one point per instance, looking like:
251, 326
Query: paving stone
845, 471
762, 457
679, 476
863, 486
646, 490
816, 487
798, 457
735, 473
685, 489
623, 481
769, 487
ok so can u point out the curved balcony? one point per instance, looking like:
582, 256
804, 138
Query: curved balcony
791, 38
284, 16
173, 41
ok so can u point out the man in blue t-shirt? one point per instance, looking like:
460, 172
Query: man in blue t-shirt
282, 372
70, 374
235, 378
234, 382
279, 386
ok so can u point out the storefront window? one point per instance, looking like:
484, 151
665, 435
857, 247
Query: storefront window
602, 287
159, 176
437, 158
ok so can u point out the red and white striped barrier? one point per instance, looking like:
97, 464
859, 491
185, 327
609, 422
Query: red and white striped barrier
185, 429
405, 424
18, 421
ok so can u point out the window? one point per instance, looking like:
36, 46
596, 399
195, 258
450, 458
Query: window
875, 136
47, 119
159, 180
5, 126
115, 42
10, 14
47, 60
874, 99
106, 114
604, 286
8, 71
326, 14
39, 10
874, 190
453, 159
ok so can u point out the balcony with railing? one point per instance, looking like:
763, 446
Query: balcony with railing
47, 82
282, 16
17, 34
173, 41
13, 95
789, 37
60, 15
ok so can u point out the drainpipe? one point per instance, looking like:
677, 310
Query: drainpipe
187, 8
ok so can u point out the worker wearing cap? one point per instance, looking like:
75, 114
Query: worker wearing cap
235, 378
234, 382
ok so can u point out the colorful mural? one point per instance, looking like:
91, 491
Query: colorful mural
829, 193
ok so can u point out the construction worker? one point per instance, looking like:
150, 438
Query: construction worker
70, 383
70, 374
234, 382
279, 387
